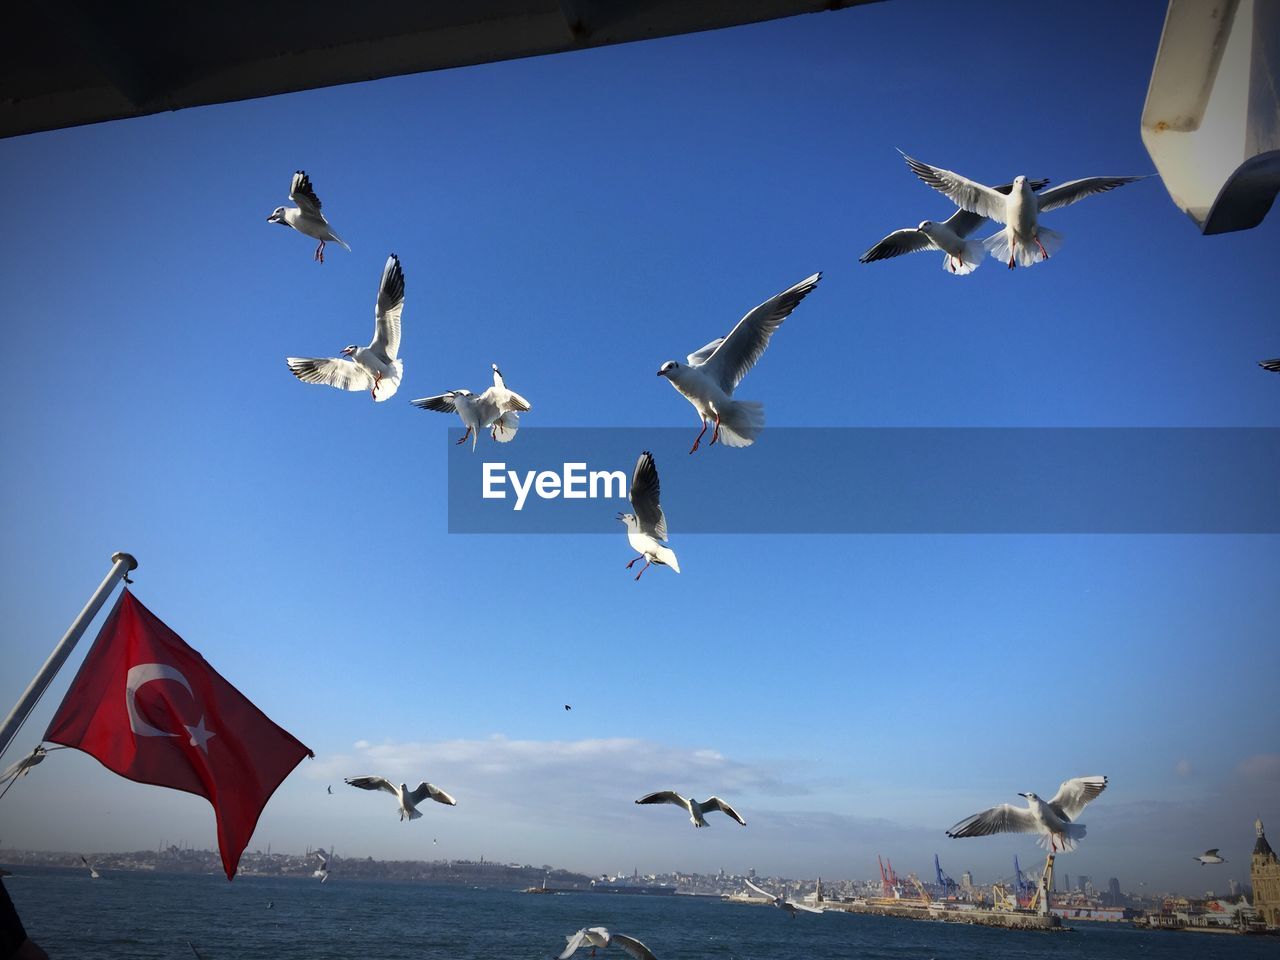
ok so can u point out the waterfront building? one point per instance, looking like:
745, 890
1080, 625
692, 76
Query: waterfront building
1264, 872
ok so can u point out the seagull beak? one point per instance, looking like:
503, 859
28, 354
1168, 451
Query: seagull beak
659, 373
1022, 795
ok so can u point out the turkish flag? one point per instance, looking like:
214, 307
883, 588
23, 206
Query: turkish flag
150, 708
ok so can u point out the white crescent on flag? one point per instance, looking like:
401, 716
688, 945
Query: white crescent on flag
145, 673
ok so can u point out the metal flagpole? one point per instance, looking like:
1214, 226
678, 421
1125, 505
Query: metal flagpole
122, 563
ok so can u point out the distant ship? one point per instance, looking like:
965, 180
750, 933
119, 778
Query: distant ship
631, 885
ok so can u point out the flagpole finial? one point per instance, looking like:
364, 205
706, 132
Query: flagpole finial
127, 557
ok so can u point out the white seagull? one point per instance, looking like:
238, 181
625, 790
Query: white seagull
600, 937
1209, 856
375, 368
713, 372
1019, 211
695, 809
409, 799
647, 527
962, 256
497, 409
322, 871
1272, 365
783, 903
306, 217
1054, 821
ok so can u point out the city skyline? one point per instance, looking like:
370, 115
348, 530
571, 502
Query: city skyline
579, 220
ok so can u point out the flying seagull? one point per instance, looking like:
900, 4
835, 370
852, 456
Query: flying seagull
695, 809
330, 788
1209, 856
497, 409
322, 871
20, 768
647, 527
600, 937
1019, 211
592, 937
783, 903
306, 217
567, 707
714, 371
962, 256
1272, 365
1054, 821
374, 368
409, 800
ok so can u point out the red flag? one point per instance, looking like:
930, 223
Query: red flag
150, 708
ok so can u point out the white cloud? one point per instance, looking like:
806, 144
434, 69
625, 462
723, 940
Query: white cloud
1183, 768
1261, 766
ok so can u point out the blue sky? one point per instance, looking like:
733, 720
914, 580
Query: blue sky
580, 219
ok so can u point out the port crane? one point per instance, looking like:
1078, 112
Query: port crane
947, 887
888, 880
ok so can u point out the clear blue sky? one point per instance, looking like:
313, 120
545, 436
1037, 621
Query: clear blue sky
580, 219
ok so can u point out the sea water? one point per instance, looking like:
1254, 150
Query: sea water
137, 916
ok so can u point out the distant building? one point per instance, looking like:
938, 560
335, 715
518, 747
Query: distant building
1233, 888
1083, 882
1264, 872
966, 882
1114, 896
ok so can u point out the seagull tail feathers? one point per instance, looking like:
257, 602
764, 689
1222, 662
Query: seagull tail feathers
388, 386
974, 253
415, 814
505, 427
1026, 254
668, 556
741, 423
1064, 843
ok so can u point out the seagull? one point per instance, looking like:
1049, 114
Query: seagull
374, 368
647, 527
567, 707
1209, 856
696, 809
1054, 821
600, 937
497, 409
1019, 211
20, 768
322, 871
409, 800
783, 903
962, 256
587, 936
330, 788
306, 216
1272, 365
713, 372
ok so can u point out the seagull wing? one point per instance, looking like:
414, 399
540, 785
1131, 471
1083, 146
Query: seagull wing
440, 404
1069, 193
1005, 818
644, 498
665, 796
909, 240
1211, 853
715, 803
331, 371
964, 193
572, 943
636, 949
303, 194
804, 906
763, 893
599, 936
386, 313
425, 790
1074, 794
702, 354
373, 783
740, 350
1272, 365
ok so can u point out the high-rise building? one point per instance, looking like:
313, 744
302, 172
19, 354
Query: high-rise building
1233, 888
966, 882
1114, 896
1264, 871
1082, 882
